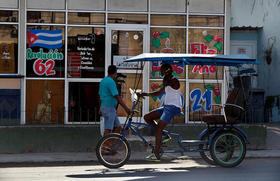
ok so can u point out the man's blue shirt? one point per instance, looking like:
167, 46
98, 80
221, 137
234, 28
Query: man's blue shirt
107, 91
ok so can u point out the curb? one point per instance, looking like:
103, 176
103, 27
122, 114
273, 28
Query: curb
91, 157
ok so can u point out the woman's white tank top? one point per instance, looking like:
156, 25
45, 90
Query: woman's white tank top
173, 97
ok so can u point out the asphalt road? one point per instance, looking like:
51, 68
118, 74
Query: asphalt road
185, 170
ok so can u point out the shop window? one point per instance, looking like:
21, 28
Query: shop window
202, 6
178, 6
97, 5
168, 20
157, 101
45, 56
128, 5
44, 102
128, 18
8, 16
168, 40
206, 41
9, 4
124, 83
206, 21
86, 18
83, 102
201, 97
8, 49
45, 17
86, 52
43, 4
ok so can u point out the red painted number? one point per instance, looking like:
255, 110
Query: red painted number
44, 68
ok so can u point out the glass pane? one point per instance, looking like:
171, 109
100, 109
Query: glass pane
202, 6
43, 4
168, 20
45, 102
86, 52
45, 56
8, 16
126, 44
83, 102
168, 40
86, 4
202, 96
128, 18
9, 4
178, 71
45, 17
127, 5
168, 6
10, 102
123, 85
206, 41
8, 48
211, 21
156, 101
86, 18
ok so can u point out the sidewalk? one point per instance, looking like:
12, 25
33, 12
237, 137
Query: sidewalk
272, 150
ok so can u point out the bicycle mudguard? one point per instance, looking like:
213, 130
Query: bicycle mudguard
225, 128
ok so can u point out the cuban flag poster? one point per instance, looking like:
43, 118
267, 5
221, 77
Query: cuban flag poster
45, 53
50, 39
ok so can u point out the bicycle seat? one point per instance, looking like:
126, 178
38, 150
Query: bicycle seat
233, 109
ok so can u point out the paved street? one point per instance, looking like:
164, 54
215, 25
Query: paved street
250, 170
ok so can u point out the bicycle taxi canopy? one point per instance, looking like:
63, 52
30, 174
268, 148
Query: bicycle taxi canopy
195, 59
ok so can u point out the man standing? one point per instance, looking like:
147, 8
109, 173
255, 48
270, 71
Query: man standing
110, 98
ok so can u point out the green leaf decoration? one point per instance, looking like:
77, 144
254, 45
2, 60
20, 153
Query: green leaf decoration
217, 99
164, 35
153, 73
218, 46
209, 87
159, 73
175, 73
161, 86
208, 38
156, 42
154, 98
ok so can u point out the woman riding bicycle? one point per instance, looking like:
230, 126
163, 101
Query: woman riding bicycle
172, 105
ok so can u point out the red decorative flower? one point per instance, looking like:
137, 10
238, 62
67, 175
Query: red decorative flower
156, 34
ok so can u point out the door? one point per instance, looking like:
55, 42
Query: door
122, 42
248, 48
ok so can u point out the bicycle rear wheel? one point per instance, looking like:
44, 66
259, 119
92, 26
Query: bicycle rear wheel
228, 149
113, 151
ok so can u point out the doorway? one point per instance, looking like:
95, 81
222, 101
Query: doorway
123, 42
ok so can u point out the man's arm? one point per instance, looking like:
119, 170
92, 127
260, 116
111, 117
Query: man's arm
120, 101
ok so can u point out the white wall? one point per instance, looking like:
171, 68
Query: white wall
265, 14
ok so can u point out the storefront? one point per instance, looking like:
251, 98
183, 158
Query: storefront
63, 48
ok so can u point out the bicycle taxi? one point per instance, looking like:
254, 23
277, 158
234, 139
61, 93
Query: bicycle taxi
221, 143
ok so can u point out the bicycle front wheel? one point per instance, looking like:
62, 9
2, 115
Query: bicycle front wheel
228, 149
113, 151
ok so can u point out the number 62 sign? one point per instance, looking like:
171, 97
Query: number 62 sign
46, 68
